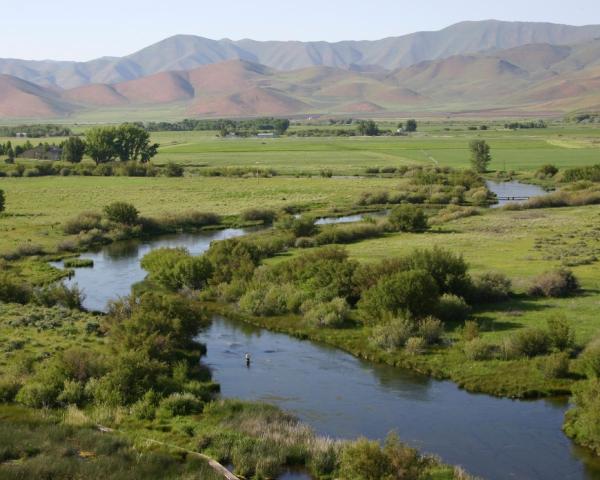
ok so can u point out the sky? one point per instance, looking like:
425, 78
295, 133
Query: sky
82, 30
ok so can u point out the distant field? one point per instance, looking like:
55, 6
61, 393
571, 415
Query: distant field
523, 150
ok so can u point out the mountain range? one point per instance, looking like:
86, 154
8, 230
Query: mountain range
488, 65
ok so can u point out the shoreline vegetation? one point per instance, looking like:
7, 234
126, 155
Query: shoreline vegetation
524, 329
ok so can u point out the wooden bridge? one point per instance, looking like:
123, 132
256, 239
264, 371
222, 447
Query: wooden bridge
519, 199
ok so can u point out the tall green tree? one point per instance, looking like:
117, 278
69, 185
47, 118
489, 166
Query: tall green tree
132, 142
100, 144
368, 127
480, 155
73, 149
411, 125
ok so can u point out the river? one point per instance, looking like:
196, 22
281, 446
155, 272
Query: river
342, 396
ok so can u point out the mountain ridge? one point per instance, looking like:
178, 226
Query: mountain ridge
185, 52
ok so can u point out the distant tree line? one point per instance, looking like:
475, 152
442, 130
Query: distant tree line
224, 126
519, 125
36, 131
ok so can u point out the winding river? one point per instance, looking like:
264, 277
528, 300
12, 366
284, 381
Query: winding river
342, 396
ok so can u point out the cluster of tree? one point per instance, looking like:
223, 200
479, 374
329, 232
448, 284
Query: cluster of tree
325, 132
36, 131
8, 150
341, 121
367, 128
224, 126
411, 126
586, 118
520, 125
106, 144
591, 174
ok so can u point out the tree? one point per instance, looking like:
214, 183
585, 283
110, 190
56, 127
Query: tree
132, 142
411, 125
73, 149
408, 218
2, 200
480, 155
368, 127
10, 153
100, 144
280, 126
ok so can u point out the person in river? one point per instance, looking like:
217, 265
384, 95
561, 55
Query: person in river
247, 358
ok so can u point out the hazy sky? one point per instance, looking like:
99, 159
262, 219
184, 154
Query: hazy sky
82, 30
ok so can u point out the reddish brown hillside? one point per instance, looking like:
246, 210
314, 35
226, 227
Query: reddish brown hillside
255, 101
99, 95
19, 98
231, 76
164, 87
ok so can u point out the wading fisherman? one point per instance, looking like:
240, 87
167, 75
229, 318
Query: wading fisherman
247, 358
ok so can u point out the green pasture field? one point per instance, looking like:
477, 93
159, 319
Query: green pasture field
37, 207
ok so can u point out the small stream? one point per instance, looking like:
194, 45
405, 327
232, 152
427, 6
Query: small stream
344, 397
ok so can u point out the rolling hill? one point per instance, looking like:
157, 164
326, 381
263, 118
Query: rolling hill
186, 52
531, 78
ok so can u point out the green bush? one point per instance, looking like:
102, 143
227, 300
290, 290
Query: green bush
431, 330
180, 404
2, 201
408, 218
270, 299
173, 170
122, 212
413, 293
37, 394
59, 294
145, 407
531, 342
583, 421
300, 227
415, 346
364, 460
392, 334
193, 272
490, 287
470, 330
561, 333
9, 387
72, 393
328, 314
591, 358
13, 290
265, 215
452, 308
555, 365
477, 349
558, 283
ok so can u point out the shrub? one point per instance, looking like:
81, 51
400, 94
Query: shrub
305, 242
270, 299
180, 404
531, 342
546, 171
122, 212
415, 346
193, 272
72, 393
29, 249
413, 293
300, 227
561, 333
59, 294
591, 359
363, 459
490, 287
13, 290
78, 263
265, 215
558, 283
145, 407
392, 334
9, 387
173, 170
470, 330
408, 218
583, 421
37, 394
555, 365
84, 222
2, 201
328, 314
477, 349
431, 330
452, 308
